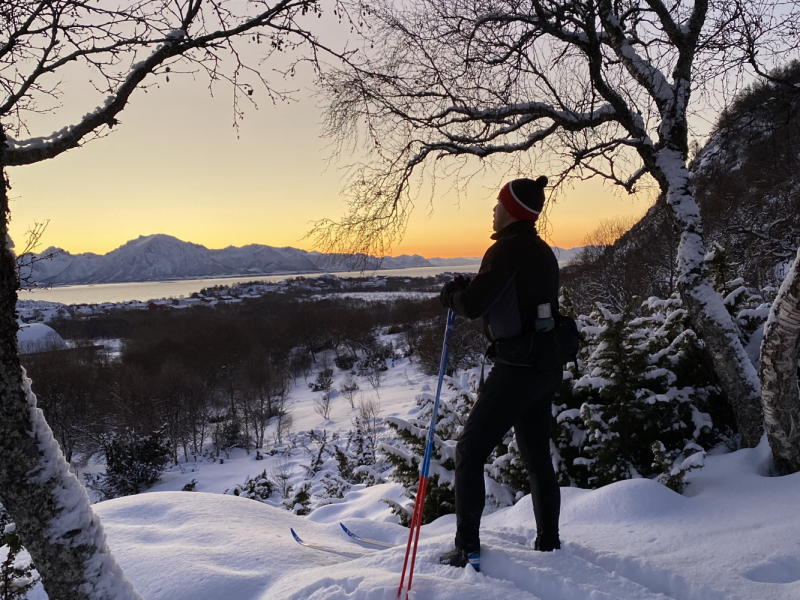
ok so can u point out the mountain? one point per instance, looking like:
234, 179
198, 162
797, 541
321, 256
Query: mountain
162, 257
158, 257
564, 255
258, 259
344, 262
455, 262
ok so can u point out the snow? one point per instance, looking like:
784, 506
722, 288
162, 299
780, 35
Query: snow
38, 337
734, 535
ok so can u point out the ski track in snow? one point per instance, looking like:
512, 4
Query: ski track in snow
734, 534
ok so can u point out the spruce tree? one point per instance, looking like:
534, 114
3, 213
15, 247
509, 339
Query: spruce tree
406, 454
646, 386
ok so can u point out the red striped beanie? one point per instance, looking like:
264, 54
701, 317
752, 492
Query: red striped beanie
524, 198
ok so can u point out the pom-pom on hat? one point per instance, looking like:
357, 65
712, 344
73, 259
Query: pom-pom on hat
524, 198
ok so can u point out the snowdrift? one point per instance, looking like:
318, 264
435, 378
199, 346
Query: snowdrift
735, 535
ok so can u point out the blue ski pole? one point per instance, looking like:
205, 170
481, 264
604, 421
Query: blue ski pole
422, 488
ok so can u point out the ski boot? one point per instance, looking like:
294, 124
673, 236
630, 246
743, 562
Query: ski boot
544, 543
461, 558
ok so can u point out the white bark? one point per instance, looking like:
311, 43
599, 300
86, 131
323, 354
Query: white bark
737, 375
780, 352
46, 501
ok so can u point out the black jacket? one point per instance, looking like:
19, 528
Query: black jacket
518, 272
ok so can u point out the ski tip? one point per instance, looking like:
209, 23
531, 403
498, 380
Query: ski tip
347, 531
295, 536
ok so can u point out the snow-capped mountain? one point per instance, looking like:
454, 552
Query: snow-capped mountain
258, 259
455, 262
163, 257
155, 257
565, 255
344, 262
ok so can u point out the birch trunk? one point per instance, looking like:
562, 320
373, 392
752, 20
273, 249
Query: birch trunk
736, 373
47, 502
780, 352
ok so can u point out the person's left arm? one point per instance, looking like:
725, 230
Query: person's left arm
474, 299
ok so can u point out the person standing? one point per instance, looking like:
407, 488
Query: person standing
515, 293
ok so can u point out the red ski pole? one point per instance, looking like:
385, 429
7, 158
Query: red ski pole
423, 493
422, 488
412, 527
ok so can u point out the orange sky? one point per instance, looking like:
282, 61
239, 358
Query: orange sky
174, 165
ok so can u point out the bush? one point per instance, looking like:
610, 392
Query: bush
349, 388
16, 575
645, 384
324, 381
133, 462
408, 449
256, 488
344, 362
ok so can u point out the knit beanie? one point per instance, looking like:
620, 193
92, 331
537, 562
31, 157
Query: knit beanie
524, 198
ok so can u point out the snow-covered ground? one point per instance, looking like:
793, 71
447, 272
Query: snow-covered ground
734, 534
38, 337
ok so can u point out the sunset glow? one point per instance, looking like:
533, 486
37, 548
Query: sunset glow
175, 165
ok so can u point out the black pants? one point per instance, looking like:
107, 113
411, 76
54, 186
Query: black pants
513, 396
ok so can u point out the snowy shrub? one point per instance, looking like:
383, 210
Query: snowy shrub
300, 503
17, 575
349, 388
322, 405
356, 459
507, 468
749, 308
281, 476
133, 463
408, 449
644, 378
319, 446
344, 362
323, 382
335, 463
674, 465
256, 488
371, 363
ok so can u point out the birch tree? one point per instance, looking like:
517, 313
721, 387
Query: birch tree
583, 88
121, 47
780, 362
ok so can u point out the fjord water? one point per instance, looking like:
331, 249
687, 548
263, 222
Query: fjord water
149, 290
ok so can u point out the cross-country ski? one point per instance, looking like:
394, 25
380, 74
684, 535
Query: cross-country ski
364, 540
322, 548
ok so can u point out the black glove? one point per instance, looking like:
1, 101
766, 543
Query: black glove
449, 288
463, 281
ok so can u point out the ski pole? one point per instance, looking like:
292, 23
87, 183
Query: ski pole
422, 488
